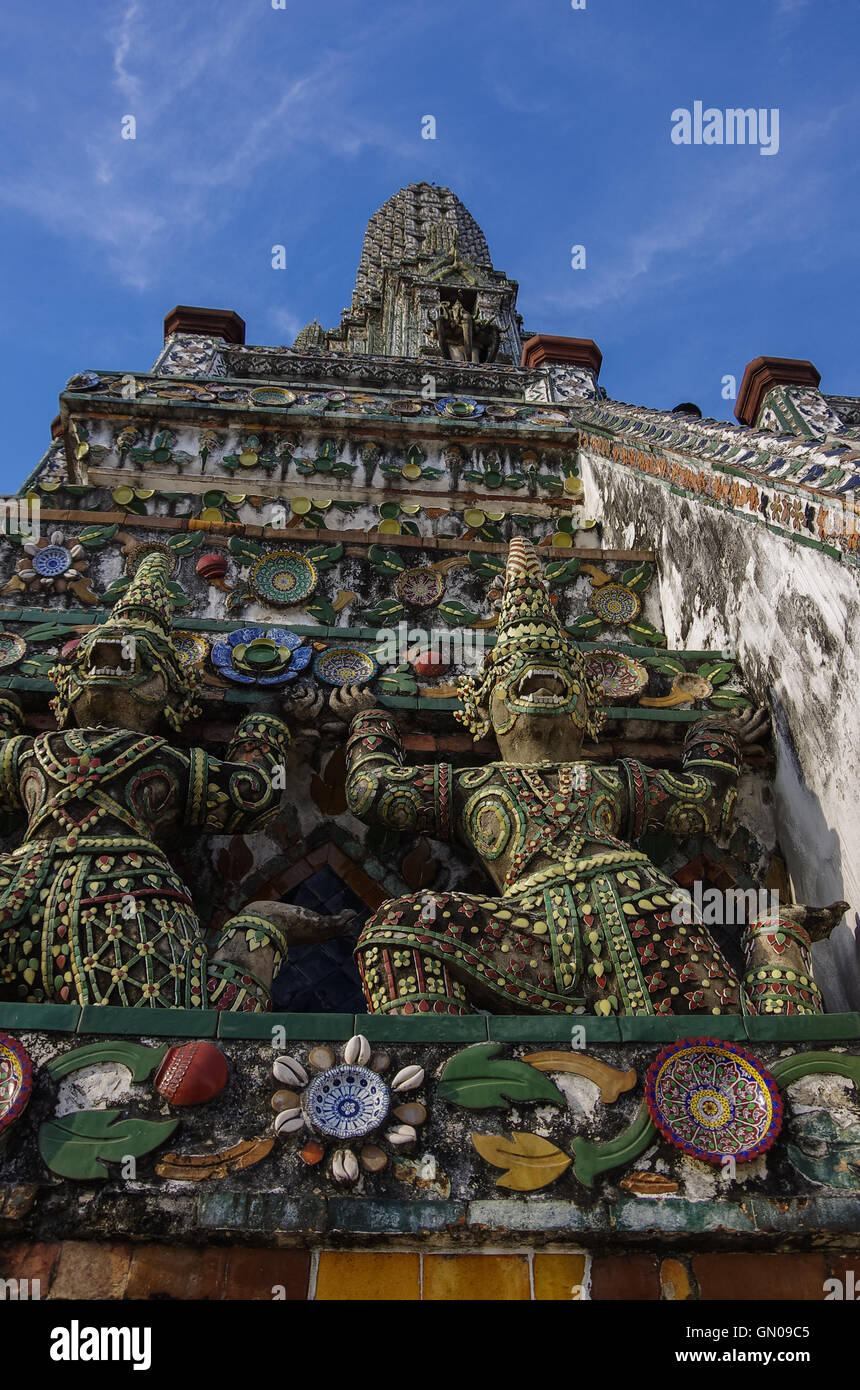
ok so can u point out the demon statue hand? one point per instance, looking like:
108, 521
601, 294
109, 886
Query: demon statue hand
583, 921
90, 909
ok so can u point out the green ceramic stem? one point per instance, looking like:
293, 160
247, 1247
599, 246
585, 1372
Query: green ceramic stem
591, 1159
789, 1069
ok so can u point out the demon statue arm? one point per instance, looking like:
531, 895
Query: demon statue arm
240, 792
381, 790
701, 798
582, 919
12, 745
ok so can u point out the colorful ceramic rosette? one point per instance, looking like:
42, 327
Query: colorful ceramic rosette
421, 587
16, 1080
615, 604
283, 577
713, 1100
261, 656
191, 648
345, 666
12, 648
272, 397
620, 677
459, 407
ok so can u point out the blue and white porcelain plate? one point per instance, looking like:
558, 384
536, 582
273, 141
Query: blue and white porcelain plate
346, 1102
51, 561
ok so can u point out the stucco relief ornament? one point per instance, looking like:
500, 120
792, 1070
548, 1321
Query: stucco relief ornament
348, 1103
52, 565
261, 656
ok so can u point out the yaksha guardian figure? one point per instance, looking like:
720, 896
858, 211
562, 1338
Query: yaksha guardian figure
584, 921
90, 909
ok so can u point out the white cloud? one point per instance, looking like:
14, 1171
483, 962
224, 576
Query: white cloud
127, 84
285, 323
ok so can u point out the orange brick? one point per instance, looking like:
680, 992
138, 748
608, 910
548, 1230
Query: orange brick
748, 1277
177, 1271
675, 1281
30, 1262
467, 1277
559, 1276
255, 1273
364, 1276
88, 1270
625, 1277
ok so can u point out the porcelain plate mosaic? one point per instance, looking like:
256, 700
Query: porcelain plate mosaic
713, 1100
346, 1102
345, 666
283, 577
12, 648
16, 1080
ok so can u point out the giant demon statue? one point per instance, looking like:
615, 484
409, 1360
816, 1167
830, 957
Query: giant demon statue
583, 921
90, 909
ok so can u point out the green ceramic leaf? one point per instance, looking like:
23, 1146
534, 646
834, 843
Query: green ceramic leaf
583, 626
48, 632
730, 699
646, 632
79, 1145
400, 683
716, 671
93, 536
666, 665
457, 614
185, 543
639, 578
324, 556
561, 571
385, 613
246, 552
321, 609
385, 561
141, 1061
476, 1080
177, 594
487, 566
116, 589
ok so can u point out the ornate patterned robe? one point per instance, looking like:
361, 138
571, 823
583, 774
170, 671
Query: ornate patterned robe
584, 918
90, 909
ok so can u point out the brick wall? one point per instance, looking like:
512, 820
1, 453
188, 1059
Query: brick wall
90, 1270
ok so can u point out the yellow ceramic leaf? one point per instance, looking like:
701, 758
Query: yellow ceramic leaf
531, 1162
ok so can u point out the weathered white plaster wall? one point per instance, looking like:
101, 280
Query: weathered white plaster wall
792, 615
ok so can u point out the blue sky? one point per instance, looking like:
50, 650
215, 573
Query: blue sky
258, 126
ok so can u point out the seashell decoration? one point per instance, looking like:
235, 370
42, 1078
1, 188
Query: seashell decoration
401, 1134
289, 1121
290, 1072
408, 1079
344, 1166
356, 1052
